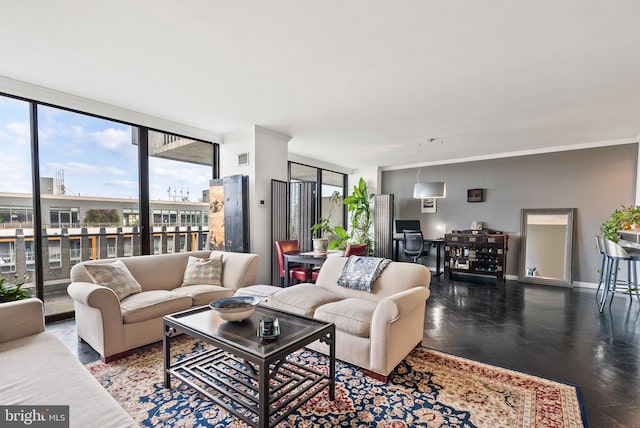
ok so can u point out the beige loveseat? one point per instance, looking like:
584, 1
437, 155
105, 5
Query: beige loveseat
37, 369
113, 326
374, 330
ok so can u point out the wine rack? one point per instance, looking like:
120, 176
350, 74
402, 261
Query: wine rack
482, 254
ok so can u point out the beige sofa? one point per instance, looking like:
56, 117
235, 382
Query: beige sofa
374, 330
37, 369
113, 327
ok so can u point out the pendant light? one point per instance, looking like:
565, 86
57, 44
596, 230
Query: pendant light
434, 189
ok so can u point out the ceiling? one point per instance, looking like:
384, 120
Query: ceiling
355, 83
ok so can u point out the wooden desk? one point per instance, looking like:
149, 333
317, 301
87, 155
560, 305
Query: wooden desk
309, 258
435, 242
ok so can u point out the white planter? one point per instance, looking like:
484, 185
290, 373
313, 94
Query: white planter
320, 245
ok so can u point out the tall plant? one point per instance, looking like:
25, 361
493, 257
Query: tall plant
360, 207
324, 223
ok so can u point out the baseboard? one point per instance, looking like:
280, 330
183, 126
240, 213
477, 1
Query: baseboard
581, 284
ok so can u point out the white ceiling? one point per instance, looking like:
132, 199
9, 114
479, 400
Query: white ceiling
356, 83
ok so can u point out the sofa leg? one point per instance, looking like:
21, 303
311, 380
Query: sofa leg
376, 376
114, 357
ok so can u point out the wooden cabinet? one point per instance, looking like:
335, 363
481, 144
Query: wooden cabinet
476, 254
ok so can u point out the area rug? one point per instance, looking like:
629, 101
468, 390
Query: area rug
428, 388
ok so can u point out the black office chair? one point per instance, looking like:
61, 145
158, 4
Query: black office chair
413, 245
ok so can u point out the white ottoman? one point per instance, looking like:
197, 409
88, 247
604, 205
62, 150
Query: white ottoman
260, 291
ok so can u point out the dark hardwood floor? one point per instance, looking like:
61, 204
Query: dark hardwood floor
547, 331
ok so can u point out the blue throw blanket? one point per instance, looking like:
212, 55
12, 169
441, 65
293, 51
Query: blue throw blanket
359, 273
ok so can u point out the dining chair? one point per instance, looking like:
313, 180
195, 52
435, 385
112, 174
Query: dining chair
413, 245
356, 250
297, 272
352, 250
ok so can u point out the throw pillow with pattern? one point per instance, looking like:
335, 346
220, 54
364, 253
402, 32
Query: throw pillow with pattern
203, 271
114, 275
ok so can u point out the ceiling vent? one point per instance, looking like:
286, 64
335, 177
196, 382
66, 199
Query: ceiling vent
243, 159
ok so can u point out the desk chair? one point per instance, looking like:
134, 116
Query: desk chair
297, 272
413, 245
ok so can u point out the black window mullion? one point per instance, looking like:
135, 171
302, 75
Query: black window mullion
37, 206
143, 183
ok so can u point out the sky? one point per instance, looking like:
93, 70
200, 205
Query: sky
95, 156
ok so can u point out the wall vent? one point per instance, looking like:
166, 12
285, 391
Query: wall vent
243, 159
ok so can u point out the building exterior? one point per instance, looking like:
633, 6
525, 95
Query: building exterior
71, 236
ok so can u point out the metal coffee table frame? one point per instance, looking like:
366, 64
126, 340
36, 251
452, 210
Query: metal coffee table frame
244, 370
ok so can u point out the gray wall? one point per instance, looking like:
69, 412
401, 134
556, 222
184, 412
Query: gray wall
595, 181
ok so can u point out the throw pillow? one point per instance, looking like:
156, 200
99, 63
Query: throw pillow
116, 276
203, 271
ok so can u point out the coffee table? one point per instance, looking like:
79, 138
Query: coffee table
249, 376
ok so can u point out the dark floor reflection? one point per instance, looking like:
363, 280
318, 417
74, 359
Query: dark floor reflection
548, 331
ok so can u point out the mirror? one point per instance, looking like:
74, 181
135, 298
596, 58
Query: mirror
546, 246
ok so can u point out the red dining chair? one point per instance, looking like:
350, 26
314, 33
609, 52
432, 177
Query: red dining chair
352, 250
297, 272
356, 250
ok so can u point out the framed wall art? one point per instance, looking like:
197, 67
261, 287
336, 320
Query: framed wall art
428, 205
475, 195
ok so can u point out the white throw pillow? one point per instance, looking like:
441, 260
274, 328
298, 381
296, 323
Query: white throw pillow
114, 275
203, 271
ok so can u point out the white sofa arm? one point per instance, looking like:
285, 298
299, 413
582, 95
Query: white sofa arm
396, 306
21, 318
95, 296
238, 269
397, 327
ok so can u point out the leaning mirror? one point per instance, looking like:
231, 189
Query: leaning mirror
546, 246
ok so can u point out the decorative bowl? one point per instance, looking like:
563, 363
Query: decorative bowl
235, 308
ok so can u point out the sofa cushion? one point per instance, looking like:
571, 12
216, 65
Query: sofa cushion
352, 316
302, 299
40, 369
203, 271
151, 304
115, 276
203, 294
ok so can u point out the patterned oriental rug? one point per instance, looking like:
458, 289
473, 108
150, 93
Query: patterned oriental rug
428, 388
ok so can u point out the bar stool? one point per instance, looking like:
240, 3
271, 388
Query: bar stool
615, 253
603, 264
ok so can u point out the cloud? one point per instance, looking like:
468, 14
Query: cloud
19, 181
111, 138
124, 184
15, 133
79, 168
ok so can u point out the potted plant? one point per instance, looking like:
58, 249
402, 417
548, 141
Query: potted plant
360, 206
323, 226
11, 292
623, 218
341, 241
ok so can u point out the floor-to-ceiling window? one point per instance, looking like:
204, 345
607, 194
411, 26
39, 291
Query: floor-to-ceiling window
91, 164
180, 170
310, 199
89, 204
17, 254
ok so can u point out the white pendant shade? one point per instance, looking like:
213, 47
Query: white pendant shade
435, 189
